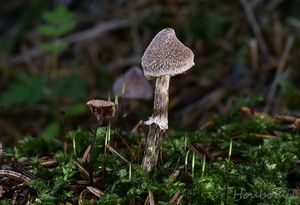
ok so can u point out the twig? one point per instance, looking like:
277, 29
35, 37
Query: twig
176, 198
1, 150
293, 22
189, 112
116, 64
136, 40
151, 197
97, 192
174, 175
203, 150
13, 175
128, 147
88, 34
110, 148
77, 37
17, 166
256, 29
273, 4
254, 54
278, 75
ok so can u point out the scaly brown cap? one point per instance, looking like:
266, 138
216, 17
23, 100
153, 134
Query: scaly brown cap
166, 55
102, 108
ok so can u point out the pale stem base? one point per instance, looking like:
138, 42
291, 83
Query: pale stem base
158, 123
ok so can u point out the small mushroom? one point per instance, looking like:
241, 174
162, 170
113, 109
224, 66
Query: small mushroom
165, 56
134, 89
101, 109
133, 85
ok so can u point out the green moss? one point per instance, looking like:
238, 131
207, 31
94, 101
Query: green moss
259, 170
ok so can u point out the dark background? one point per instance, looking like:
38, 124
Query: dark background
245, 52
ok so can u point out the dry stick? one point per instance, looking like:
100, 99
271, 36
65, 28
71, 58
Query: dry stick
14, 175
176, 198
273, 4
155, 135
278, 74
116, 64
151, 197
77, 37
17, 166
1, 151
136, 40
256, 29
128, 147
203, 151
94, 32
254, 54
191, 111
110, 148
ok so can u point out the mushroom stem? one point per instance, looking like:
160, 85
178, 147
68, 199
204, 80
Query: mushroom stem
102, 110
158, 123
152, 147
91, 170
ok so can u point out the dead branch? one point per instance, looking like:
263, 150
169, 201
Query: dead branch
85, 35
190, 112
278, 75
256, 29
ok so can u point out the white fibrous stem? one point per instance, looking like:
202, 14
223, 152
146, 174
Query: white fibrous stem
161, 102
158, 123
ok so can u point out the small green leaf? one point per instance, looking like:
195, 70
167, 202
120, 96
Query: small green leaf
76, 110
51, 132
28, 92
57, 22
70, 86
56, 47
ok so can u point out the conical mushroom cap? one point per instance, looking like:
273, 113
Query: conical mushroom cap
166, 55
104, 108
133, 85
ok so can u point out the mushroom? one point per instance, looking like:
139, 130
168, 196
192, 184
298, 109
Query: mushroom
133, 85
133, 88
165, 56
102, 110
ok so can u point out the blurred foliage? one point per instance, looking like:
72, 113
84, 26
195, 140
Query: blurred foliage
57, 23
291, 93
35, 89
28, 92
67, 72
45, 81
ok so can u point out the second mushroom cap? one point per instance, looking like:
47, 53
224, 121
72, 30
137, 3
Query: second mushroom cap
133, 85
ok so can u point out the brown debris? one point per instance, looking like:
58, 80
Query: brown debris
97, 192
1, 150
177, 198
14, 175
200, 150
